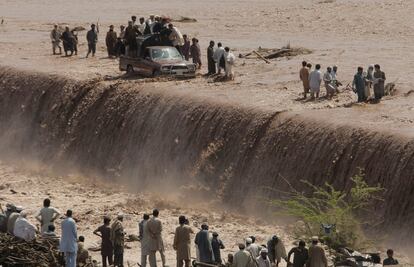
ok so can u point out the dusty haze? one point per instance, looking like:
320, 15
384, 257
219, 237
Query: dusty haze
232, 131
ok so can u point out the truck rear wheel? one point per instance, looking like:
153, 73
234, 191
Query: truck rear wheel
130, 69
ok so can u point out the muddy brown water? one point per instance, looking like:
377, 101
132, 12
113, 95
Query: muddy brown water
153, 138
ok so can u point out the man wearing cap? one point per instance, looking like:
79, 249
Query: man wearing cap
252, 248
263, 259
277, 250
23, 228
117, 238
92, 38
68, 240
216, 245
182, 242
300, 254
317, 257
155, 241
242, 258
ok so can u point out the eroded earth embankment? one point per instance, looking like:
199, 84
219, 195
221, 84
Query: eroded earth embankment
152, 137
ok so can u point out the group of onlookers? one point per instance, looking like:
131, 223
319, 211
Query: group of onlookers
125, 43
363, 83
220, 59
150, 228
69, 38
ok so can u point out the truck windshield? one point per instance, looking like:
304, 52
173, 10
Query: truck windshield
167, 53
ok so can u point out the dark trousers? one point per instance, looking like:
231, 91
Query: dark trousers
361, 96
118, 256
110, 260
211, 66
91, 48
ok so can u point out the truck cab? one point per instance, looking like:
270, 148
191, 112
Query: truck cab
153, 59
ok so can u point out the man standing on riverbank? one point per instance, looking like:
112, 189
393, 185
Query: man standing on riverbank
92, 38
55, 37
117, 238
47, 215
106, 244
182, 242
317, 257
68, 241
315, 79
358, 84
304, 77
144, 238
210, 59
155, 241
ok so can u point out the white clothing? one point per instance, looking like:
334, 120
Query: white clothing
230, 59
122, 34
176, 37
327, 77
46, 215
218, 53
333, 75
24, 229
68, 241
141, 27
315, 79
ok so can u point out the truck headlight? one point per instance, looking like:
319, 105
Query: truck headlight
166, 68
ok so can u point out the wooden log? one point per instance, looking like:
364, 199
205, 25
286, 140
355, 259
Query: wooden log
245, 55
278, 53
261, 57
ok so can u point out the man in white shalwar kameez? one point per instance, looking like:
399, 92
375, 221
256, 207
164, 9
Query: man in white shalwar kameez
315, 79
68, 241
23, 228
230, 59
217, 56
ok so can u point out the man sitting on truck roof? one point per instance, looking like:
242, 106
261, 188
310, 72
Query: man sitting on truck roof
176, 37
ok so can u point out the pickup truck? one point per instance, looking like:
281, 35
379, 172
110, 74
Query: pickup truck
154, 61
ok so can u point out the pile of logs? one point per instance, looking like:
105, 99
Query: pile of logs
266, 54
37, 253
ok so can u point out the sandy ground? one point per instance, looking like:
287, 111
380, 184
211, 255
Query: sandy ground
347, 33
90, 200
342, 32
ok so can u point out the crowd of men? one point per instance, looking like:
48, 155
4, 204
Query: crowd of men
125, 43
367, 85
150, 228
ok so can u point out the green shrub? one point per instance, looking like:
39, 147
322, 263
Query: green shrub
326, 205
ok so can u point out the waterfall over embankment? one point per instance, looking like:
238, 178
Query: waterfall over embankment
150, 137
